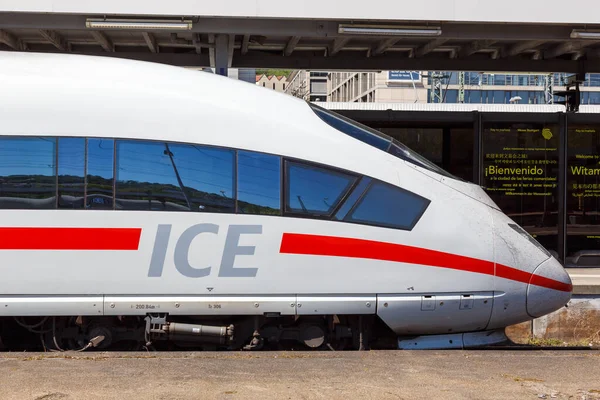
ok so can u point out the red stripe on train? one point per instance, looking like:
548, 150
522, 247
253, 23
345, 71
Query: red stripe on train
27, 238
296, 243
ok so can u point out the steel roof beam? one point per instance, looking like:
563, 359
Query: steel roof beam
11, 40
520, 47
291, 45
337, 45
104, 41
429, 47
150, 42
474, 47
384, 45
567, 47
55, 39
344, 61
387, 61
245, 43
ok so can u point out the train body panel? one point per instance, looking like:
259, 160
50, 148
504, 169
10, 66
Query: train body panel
443, 258
213, 258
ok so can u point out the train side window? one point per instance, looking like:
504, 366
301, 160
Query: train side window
27, 173
313, 190
389, 206
71, 173
99, 174
259, 183
147, 178
351, 200
208, 176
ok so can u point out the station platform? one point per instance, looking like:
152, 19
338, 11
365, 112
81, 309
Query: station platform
586, 281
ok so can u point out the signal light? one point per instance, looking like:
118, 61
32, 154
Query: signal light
572, 96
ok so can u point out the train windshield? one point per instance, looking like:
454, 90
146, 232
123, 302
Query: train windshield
377, 139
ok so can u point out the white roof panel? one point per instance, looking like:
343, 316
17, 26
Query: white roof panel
509, 11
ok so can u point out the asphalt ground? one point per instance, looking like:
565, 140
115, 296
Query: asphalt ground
455, 374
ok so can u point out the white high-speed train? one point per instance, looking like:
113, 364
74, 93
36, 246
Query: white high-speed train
149, 204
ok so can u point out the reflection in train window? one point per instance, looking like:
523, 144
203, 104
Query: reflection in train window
258, 183
100, 165
27, 172
146, 178
207, 173
174, 177
389, 206
314, 191
71, 172
351, 200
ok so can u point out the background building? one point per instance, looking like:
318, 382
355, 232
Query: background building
274, 82
308, 85
436, 87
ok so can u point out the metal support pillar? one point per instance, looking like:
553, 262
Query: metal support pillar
436, 94
221, 54
562, 186
477, 149
461, 87
549, 88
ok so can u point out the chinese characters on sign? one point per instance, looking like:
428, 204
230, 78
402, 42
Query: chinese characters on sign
520, 173
583, 189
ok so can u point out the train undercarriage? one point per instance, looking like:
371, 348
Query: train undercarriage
160, 332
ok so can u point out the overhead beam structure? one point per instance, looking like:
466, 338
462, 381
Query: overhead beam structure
474, 47
291, 45
55, 39
150, 41
225, 42
337, 45
429, 47
567, 47
384, 45
11, 40
104, 41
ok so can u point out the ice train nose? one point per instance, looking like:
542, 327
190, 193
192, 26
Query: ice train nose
549, 288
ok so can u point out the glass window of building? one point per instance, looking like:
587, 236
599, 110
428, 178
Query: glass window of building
259, 183
71, 173
313, 190
520, 173
583, 195
389, 206
27, 172
460, 155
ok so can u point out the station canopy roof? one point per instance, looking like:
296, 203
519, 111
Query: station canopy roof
440, 35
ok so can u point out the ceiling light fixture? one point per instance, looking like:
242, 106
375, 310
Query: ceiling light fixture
138, 24
387, 30
585, 34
